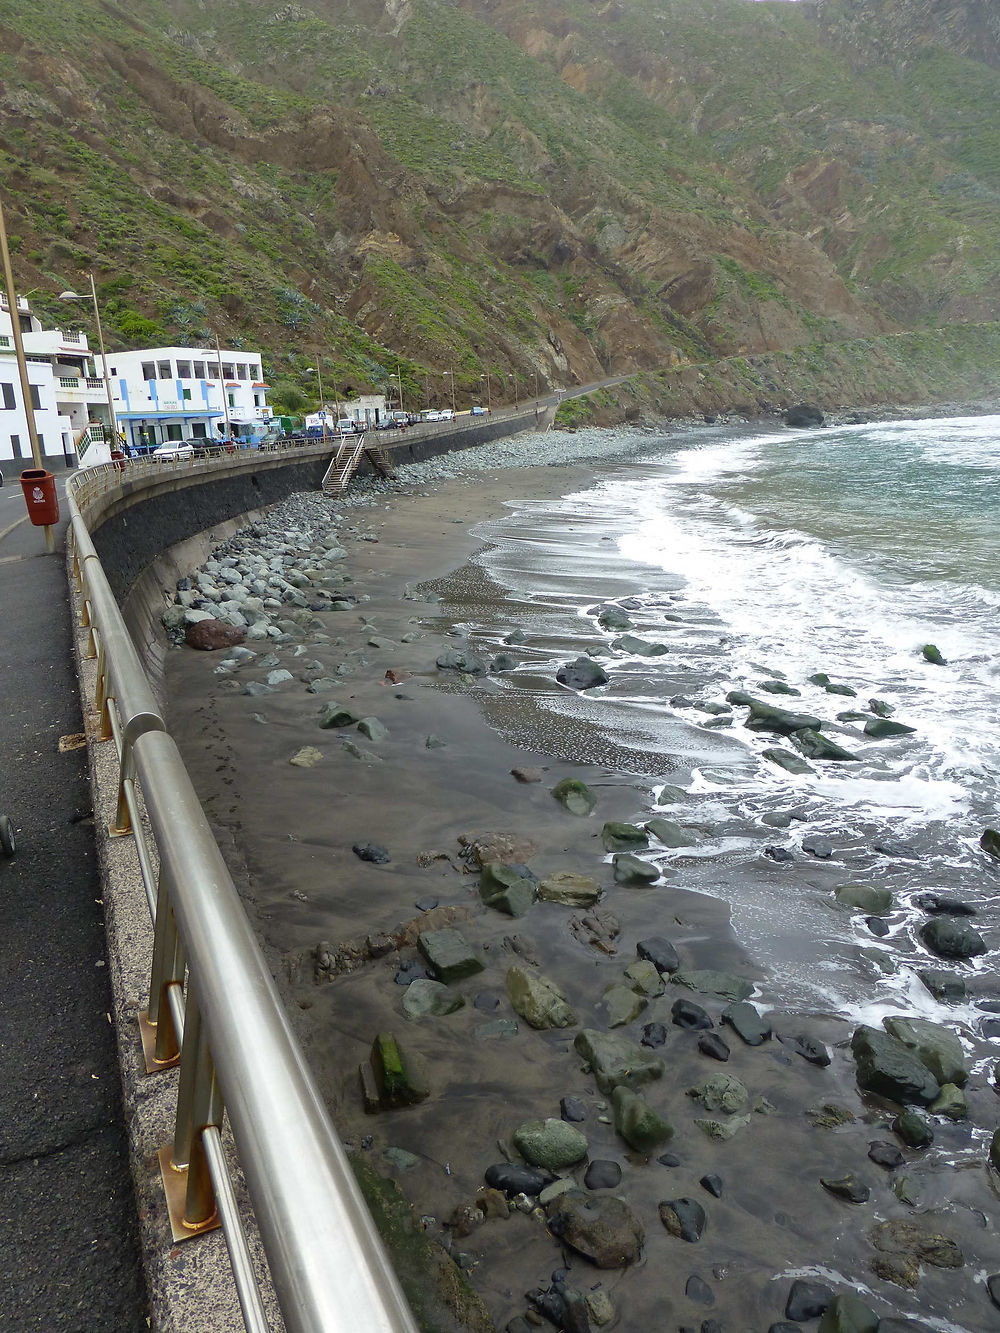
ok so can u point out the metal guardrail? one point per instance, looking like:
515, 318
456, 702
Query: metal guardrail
214, 1007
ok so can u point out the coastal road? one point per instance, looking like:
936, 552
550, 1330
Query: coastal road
68, 1229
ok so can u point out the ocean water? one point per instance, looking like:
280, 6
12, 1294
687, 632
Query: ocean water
779, 556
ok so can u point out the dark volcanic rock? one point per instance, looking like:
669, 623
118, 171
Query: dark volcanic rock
848, 1188
697, 1289
371, 851
939, 904
816, 746
745, 1021
572, 1109
807, 1300
653, 1035
660, 952
599, 1226
949, 937
809, 1048
818, 846
944, 986
713, 1184
603, 1175
512, 1179
711, 1044
690, 1016
583, 674
888, 1068
885, 1154
684, 1218
914, 1129
803, 416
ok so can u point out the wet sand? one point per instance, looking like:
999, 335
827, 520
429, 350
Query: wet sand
289, 832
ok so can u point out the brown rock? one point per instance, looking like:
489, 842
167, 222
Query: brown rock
481, 848
212, 634
527, 774
396, 676
599, 929
492, 1203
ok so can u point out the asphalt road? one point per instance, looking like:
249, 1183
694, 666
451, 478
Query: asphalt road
68, 1230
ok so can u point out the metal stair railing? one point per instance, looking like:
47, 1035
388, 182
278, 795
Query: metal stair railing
343, 465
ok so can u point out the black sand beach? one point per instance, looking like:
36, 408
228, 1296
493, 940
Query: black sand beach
751, 1151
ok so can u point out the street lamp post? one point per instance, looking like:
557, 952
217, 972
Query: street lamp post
225, 395
112, 415
399, 381
22, 365
315, 370
452, 374
489, 399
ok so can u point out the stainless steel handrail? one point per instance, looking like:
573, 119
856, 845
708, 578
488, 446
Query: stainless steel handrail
329, 1268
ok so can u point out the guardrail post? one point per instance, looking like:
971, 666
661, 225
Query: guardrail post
160, 1038
199, 1105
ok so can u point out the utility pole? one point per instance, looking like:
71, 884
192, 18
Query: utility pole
22, 365
225, 396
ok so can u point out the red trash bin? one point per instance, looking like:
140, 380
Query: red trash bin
39, 488
118, 458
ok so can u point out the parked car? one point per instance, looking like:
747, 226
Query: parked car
477, 410
345, 426
432, 416
173, 450
446, 414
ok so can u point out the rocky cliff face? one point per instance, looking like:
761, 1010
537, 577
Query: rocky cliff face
895, 31
497, 187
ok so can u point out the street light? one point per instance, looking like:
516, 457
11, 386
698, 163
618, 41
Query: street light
315, 370
489, 401
452, 374
73, 296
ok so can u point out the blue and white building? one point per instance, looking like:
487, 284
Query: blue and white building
187, 393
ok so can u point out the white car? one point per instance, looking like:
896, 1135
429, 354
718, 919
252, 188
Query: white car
432, 416
174, 450
446, 414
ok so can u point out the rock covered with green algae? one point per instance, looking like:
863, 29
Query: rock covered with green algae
640, 1126
552, 1144
575, 796
538, 1000
507, 888
616, 1061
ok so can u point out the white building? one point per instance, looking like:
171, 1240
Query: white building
365, 410
67, 394
185, 393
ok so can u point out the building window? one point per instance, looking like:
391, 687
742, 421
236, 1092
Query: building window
148, 370
186, 394
15, 445
8, 397
173, 432
232, 399
36, 402
183, 370
199, 370
227, 370
243, 371
4, 340
164, 369
112, 371
25, 323
258, 400
213, 370
198, 430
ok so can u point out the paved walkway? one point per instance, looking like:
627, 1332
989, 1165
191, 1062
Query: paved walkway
68, 1230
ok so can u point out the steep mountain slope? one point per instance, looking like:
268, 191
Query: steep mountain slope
498, 185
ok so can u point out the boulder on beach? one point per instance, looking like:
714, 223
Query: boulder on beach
575, 796
683, 1218
424, 998
848, 1313
636, 1121
210, 635
879, 728
622, 1004
629, 869
448, 954
721, 1092
660, 952
990, 842
889, 1069
615, 1061
572, 890
336, 715
951, 937
613, 617
465, 662
550, 1144
670, 833
583, 674
791, 763
507, 888
747, 1023
538, 1000
397, 1081
632, 644
936, 1047
619, 837
815, 746
598, 1226
803, 416
768, 717
874, 899
709, 981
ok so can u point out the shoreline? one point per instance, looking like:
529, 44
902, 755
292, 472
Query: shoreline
309, 893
